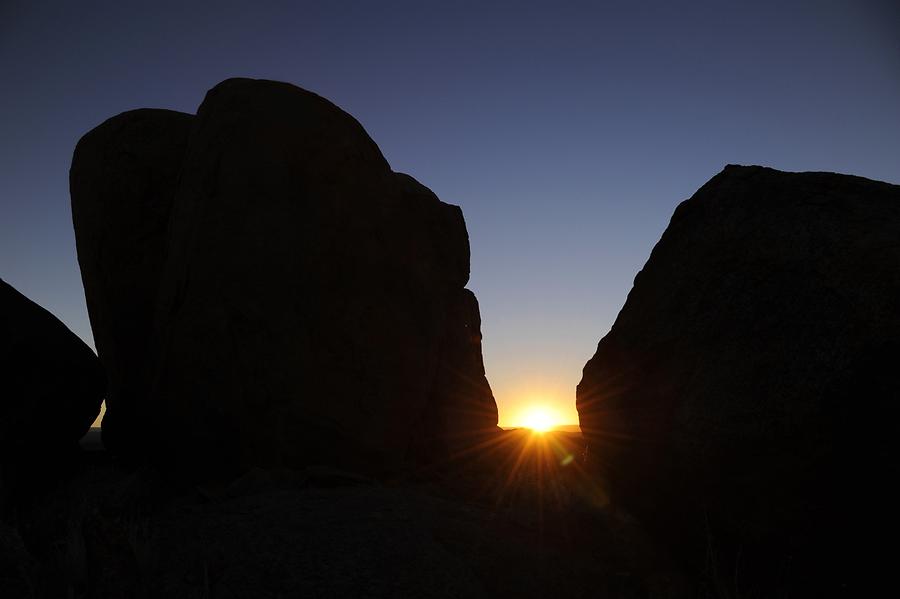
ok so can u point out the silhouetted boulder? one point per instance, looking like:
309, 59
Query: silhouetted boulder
744, 402
123, 179
463, 402
51, 388
311, 308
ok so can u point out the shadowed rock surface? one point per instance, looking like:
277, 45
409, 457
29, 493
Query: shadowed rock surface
530, 528
52, 388
744, 404
122, 181
53, 384
311, 307
16, 565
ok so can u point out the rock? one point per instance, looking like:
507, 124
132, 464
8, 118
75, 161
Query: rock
311, 308
53, 386
122, 182
16, 566
743, 404
463, 401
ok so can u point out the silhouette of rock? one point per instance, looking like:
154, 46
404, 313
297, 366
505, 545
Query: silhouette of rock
311, 308
462, 396
122, 182
52, 388
745, 397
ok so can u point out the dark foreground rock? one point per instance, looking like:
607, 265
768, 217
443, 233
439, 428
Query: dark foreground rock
16, 565
123, 179
305, 304
528, 529
744, 404
51, 388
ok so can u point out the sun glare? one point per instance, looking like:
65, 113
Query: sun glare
539, 419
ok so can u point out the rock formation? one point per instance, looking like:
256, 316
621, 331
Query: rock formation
304, 305
745, 398
123, 180
52, 388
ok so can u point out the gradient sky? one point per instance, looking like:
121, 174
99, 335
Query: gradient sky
567, 131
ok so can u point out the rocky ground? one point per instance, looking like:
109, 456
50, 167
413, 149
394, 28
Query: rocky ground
521, 521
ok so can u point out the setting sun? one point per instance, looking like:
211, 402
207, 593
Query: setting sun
539, 419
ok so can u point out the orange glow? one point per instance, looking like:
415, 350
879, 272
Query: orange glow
517, 396
539, 419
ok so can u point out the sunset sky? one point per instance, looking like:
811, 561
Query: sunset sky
566, 131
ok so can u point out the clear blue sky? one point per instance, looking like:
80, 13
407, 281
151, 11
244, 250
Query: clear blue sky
567, 131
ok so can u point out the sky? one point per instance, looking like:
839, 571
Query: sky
566, 131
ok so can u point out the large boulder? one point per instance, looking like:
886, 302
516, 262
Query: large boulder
311, 303
744, 402
123, 180
52, 388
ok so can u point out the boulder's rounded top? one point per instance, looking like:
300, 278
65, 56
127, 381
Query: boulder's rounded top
159, 119
287, 110
741, 171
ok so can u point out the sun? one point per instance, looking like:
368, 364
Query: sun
539, 419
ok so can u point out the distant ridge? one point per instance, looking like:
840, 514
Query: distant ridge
563, 428
568, 428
